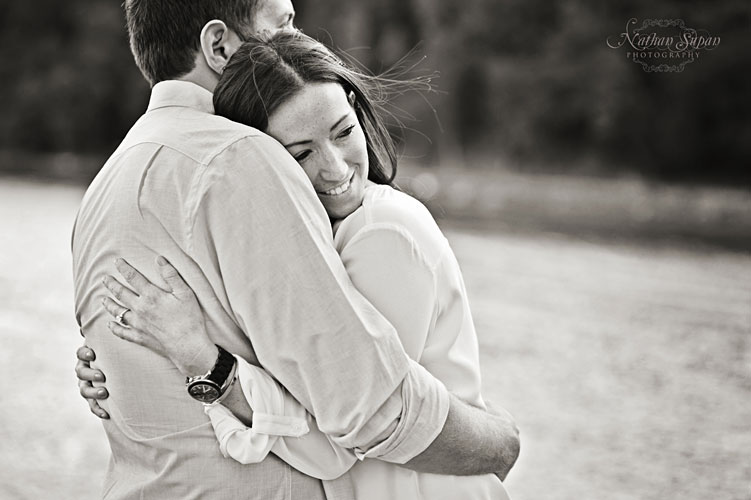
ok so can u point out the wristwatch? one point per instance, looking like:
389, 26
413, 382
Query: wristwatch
213, 385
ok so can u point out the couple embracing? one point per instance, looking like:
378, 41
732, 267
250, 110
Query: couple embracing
286, 324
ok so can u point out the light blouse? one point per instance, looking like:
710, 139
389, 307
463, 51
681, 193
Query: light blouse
397, 257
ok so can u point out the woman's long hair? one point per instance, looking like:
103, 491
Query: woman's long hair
269, 69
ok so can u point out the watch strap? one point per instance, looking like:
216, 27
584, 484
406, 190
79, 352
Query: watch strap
227, 386
220, 372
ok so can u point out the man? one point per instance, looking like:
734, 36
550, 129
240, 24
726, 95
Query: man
236, 215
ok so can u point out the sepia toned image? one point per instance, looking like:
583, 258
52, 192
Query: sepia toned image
285, 249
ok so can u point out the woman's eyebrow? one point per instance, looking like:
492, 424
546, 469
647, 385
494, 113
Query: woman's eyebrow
340, 120
296, 143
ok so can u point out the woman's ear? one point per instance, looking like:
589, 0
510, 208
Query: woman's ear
218, 43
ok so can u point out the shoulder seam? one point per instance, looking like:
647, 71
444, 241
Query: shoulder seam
197, 179
224, 147
219, 150
402, 232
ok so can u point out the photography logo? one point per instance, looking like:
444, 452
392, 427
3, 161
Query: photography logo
663, 45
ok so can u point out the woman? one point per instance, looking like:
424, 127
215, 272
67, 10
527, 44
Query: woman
298, 92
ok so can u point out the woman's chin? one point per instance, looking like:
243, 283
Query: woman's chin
340, 209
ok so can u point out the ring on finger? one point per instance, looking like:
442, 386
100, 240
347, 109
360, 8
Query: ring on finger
120, 318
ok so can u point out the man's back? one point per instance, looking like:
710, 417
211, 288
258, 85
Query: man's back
143, 204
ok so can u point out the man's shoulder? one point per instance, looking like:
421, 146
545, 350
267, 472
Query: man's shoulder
198, 136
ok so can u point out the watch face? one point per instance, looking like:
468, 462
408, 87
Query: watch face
203, 391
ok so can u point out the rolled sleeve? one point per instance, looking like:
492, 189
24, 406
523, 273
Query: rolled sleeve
426, 405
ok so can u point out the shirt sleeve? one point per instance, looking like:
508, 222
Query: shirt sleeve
386, 265
260, 223
281, 425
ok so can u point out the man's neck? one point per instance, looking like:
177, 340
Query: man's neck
201, 79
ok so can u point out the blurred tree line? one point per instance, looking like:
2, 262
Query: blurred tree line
524, 84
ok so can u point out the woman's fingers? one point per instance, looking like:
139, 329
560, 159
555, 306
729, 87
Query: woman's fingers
129, 334
170, 275
136, 336
86, 373
138, 281
91, 394
128, 318
123, 294
85, 353
88, 391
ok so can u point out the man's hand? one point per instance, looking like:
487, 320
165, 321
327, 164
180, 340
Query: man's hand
86, 375
169, 322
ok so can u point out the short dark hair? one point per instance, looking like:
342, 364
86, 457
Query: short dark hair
164, 34
268, 69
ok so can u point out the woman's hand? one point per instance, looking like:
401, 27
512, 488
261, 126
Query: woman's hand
86, 375
169, 322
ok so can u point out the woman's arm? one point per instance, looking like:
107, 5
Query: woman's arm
280, 425
387, 266
401, 262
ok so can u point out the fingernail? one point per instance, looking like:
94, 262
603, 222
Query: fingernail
161, 261
98, 377
104, 415
88, 356
101, 392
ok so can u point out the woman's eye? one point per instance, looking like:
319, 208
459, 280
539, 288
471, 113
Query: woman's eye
299, 157
346, 131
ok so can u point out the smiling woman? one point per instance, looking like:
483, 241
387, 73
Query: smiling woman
324, 112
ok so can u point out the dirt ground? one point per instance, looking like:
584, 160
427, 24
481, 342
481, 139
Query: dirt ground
627, 366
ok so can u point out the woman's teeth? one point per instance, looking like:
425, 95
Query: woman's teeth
339, 189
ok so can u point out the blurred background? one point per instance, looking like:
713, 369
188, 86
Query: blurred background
601, 215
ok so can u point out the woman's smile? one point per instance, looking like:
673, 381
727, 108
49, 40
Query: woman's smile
341, 188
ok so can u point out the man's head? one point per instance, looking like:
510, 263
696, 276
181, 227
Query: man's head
194, 39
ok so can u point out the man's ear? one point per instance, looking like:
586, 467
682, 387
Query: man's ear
218, 43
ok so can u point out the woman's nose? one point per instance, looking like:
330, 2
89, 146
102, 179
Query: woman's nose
335, 166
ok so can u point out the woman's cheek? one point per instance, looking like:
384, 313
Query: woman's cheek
311, 173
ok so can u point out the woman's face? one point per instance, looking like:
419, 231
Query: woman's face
320, 129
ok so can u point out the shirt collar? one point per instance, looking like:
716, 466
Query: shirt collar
181, 94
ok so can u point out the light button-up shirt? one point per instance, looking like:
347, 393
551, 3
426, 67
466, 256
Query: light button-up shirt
237, 217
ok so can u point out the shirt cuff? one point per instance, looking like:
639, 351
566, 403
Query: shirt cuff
425, 406
266, 398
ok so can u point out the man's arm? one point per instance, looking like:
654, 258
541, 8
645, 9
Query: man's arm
260, 223
471, 442
171, 322
262, 226
496, 439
